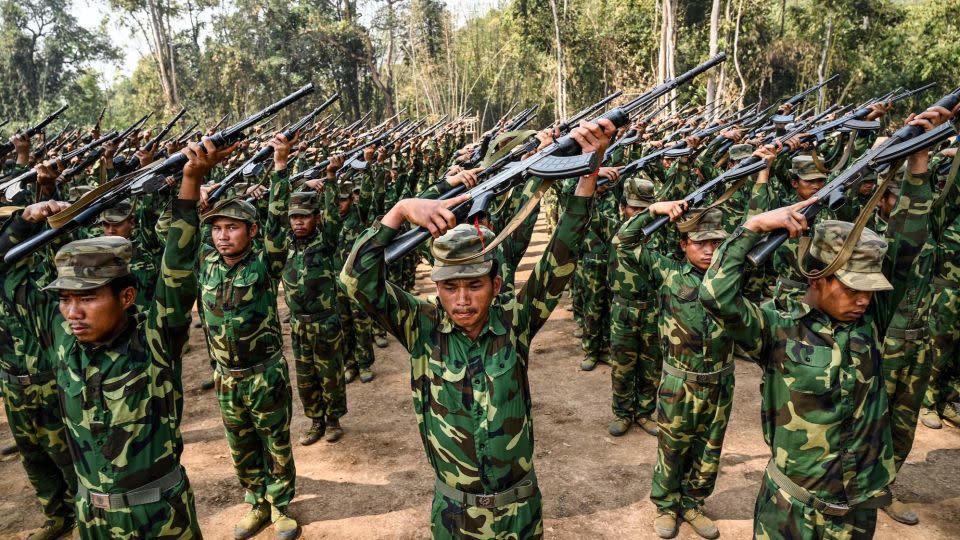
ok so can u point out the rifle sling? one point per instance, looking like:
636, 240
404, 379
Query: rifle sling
851, 241
948, 184
817, 162
62, 218
690, 224
847, 152
515, 222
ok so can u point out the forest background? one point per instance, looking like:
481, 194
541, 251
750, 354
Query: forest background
432, 58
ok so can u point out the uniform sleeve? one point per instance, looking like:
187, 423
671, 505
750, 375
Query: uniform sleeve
168, 325
654, 267
364, 276
721, 297
276, 241
541, 293
330, 223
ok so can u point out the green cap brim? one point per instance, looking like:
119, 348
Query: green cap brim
210, 217
299, 212
812, 176
461, 271
701, 236
864, 281
77, 284
638, 203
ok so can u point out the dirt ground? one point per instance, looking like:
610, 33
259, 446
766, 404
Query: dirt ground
376, 483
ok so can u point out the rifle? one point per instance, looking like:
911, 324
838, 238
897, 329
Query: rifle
425, 133
320, 168
148, 180
100, 118
556, 160
383, 124
359, 122
55, 142
267, 151
220, 123
186, 133
744, 168
7, 146
31, 175
152, 143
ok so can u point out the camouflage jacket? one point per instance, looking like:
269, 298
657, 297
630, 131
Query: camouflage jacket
824, 406
471, 398
689, 339
945, 228
118, 398
309, 277
239, 303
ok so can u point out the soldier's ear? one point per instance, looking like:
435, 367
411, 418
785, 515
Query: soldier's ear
128, 296
497, 285
253, 228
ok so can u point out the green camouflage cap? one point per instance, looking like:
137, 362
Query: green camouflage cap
303, 203
740, 151
638, 191
75, 192
233, 209
238, 189
117, 213
461, 241
805, 168
345, 189
710, 227
91, 263
863, 270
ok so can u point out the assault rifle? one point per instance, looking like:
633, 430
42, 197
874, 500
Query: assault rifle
7, 146
557, 160
151, 179
152, 143
901, 144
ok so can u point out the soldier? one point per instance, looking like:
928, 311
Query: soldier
310, 289
115, 366
238, 281
469, 355
824, 407
633, 332
696, 390
122, 221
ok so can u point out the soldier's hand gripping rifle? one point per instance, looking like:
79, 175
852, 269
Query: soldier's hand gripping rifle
267, 151
7, 146
743, 169
321, 168
151, 179
152, 143
901, 144
557, 160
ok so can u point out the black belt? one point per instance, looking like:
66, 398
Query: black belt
239, 373
27, 380
308, 318
630, 302
712, 377
524, 489
145, 494
909, 334
803, 495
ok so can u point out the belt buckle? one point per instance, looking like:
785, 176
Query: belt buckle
24, 380
484, 501
100, 500
830, 509
237, 373
704, 378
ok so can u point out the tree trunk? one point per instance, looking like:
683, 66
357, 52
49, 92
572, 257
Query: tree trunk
714, 80
560, 109
736, 59
822, 68
162, 48
668, 41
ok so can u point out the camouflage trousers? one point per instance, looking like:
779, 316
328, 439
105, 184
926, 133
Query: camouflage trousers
777, 516
692, 419
33, 414
551, 204
945, 336
635, 357
173, 517
318, 355
906, 371
516, 521
256, 413
357, 333
595, 307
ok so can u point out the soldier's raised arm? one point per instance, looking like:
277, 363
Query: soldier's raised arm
275, 239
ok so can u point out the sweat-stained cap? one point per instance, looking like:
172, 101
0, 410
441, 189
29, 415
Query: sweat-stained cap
117, 213
710, 227
345, 189
464, 240
233, 209
303, 203
91, 263
863, 270
804, 167
740, 151
638, 191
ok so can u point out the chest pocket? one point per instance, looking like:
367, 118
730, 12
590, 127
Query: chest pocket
127, 400
448, 386
683, 325
810, 369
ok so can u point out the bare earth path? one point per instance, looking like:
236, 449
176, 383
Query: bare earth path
375, 483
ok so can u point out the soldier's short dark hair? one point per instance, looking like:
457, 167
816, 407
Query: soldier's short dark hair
119, 284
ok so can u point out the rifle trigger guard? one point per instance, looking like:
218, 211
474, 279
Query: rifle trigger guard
924, 140
480, 204
560, 167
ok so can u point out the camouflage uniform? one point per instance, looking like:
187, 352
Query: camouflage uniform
357, 326
310, 289
471, 397
634, 346
695, 394
145, 265
824, 407
118, 398
242, 328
